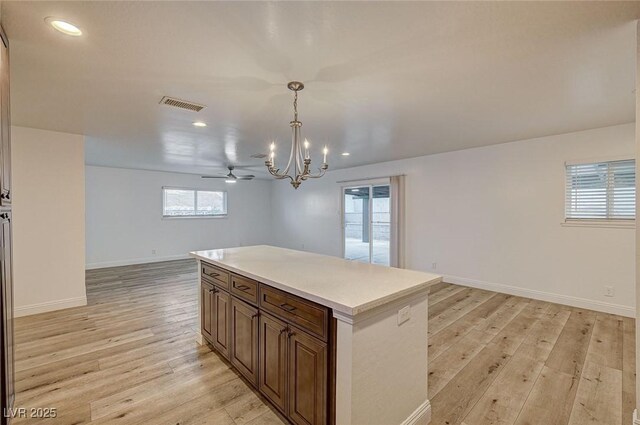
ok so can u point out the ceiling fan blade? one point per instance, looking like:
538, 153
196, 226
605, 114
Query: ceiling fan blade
214, 177
246, 177
247, 166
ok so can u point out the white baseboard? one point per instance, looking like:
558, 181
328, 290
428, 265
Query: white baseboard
621, 310
28, 310
420, 416
102, 265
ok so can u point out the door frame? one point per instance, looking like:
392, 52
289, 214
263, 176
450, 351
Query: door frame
384, 181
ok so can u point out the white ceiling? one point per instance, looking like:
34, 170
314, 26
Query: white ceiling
384, 80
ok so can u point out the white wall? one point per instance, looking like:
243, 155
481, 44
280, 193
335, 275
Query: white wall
124, 217
48, 220
489, 217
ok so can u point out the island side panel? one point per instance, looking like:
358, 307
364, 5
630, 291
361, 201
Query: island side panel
382, 367
344, 372
199, 338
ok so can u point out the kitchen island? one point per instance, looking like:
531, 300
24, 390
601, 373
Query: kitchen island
325, 340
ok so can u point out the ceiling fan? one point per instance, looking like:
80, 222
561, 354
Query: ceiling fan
230, 178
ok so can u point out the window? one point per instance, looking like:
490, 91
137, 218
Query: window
193, 203
601, 191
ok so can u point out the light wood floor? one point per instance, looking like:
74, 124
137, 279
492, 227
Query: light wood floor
130, 357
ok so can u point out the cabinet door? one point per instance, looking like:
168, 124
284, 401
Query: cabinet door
206, 310
220, 326
5, 125
7, 310
244, 339
307, 379
273, 360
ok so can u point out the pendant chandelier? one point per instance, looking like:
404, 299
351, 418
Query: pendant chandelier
298, 167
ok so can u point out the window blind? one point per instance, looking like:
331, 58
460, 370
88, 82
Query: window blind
193, 203
601, 191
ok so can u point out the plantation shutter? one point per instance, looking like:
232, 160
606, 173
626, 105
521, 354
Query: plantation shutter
601, 190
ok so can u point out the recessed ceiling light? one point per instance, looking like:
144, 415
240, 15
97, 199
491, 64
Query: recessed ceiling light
63, 26
345, 154
200, 124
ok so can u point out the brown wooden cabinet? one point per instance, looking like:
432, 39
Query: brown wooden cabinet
278, 341
244, 339
220, 321
307, 378
273, 360
206, 310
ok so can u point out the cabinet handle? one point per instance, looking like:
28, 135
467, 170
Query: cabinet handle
287, 307
285, 329
256, 315
212, 274
4, 216
241, 287
290, 334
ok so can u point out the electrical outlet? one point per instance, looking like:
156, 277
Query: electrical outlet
153, 252
404, 314
609, 291
434, 266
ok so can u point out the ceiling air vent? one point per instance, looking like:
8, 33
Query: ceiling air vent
182, 104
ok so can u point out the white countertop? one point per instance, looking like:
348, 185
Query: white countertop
349, 287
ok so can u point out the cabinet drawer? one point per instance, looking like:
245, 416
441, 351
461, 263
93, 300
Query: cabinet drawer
244, 288
215, 275
305, 314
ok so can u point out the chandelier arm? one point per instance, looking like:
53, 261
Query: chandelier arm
289, 163
299, 157
321, 172
276, 173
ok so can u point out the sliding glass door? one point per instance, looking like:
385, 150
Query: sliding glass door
367, 223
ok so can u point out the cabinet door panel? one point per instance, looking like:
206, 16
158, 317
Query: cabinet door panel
206, 309
273, 360
307, 379
244, 339
220, 327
